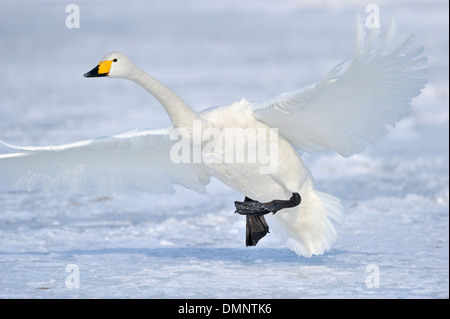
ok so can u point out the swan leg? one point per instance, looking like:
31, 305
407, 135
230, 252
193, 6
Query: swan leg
257, 227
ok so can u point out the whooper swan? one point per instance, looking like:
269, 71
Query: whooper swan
341, 113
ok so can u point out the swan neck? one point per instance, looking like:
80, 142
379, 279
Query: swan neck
179, 112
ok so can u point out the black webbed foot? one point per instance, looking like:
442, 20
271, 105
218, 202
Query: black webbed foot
257, 227
253, 207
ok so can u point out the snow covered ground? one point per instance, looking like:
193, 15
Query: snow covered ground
393, 242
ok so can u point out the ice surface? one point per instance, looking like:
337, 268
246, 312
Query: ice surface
188, 245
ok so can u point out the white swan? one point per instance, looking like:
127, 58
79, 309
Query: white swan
342, 113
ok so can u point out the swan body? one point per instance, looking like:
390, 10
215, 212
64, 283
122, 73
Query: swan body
341, 113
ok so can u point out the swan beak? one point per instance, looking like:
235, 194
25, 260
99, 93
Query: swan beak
102, 69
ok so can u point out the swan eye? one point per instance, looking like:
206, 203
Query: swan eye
115, 60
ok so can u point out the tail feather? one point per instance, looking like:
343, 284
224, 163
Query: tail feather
310, 228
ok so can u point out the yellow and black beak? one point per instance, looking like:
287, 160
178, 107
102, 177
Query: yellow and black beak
102, 69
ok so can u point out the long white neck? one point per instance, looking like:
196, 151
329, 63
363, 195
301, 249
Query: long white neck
179, 112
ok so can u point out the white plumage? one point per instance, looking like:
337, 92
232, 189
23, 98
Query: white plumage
343, 113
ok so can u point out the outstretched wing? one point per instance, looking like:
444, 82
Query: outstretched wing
137, 160
345, 111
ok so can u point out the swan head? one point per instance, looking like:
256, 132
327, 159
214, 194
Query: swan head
114, 65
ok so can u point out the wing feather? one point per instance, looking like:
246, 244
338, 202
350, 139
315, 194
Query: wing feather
346, 111
137, 160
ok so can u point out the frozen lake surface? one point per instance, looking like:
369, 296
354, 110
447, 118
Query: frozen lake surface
187, 245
